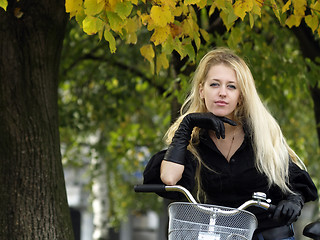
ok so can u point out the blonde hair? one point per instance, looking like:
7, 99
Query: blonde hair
270, 147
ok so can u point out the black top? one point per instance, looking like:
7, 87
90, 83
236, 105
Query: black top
232, 183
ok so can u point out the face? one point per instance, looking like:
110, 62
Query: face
220, 91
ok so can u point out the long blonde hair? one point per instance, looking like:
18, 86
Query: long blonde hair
270, 147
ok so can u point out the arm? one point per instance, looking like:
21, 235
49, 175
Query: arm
172, 166
151, 174
170, 172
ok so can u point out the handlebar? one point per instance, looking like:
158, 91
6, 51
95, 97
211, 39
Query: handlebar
258, 199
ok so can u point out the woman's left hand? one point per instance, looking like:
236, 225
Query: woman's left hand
290, 209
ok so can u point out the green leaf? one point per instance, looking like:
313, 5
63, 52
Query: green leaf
92, 7
115, 21
168, 46
123, 9
92, 25
111, 40
189, 50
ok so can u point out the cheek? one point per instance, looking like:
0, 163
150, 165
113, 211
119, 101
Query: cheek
235, 102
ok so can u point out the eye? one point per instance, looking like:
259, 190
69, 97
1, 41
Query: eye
231, 86
214, 84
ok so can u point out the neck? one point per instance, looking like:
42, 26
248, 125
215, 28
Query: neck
229, 129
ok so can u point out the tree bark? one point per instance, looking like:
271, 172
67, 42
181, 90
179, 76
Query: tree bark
33, 202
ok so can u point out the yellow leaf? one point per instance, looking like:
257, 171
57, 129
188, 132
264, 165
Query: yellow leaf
299, 8
110, 39
169, 3
315, 6
92, 7
189, 2
131, 38
219, 4
212, 8
91, 25
312, 21
161, 16
177, 11
202, 3
293, 20
162, 62
205, 35
160, 35
241, 7
147, 52
144, 18
190, 27
112, 4
286, 6
73, 7
256, 9
4, 4
131, 28
132, 25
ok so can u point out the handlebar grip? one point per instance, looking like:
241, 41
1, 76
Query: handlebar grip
272, 208
150, 188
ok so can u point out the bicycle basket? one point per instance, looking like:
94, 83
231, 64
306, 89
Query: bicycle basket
189, 221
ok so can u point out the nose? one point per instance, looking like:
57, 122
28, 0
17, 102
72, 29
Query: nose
222, 92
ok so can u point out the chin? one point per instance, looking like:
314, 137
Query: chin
222, 114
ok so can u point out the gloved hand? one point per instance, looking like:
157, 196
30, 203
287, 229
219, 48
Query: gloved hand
289, 210
177, 149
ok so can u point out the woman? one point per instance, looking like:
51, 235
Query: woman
226, 145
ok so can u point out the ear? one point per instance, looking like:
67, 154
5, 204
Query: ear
201, 91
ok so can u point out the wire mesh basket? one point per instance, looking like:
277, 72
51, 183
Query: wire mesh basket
189, 221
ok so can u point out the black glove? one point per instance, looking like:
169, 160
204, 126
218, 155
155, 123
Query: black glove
177, 149
289, 210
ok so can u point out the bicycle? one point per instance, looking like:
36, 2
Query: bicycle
194, 221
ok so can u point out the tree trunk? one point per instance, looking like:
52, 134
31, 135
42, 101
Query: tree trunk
33, 202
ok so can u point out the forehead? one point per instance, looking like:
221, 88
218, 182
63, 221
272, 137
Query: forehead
221, 72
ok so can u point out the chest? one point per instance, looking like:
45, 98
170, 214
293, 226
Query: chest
231, 180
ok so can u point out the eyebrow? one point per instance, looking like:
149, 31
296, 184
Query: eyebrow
218, 80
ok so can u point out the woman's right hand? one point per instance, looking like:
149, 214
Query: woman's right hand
207, 120
177, 149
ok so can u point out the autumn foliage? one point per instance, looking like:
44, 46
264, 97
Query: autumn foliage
174, 24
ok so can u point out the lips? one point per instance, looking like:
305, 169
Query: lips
221, 103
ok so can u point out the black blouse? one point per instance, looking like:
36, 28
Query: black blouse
232, 183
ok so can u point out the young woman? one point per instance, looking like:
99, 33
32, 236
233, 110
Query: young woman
226, 145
